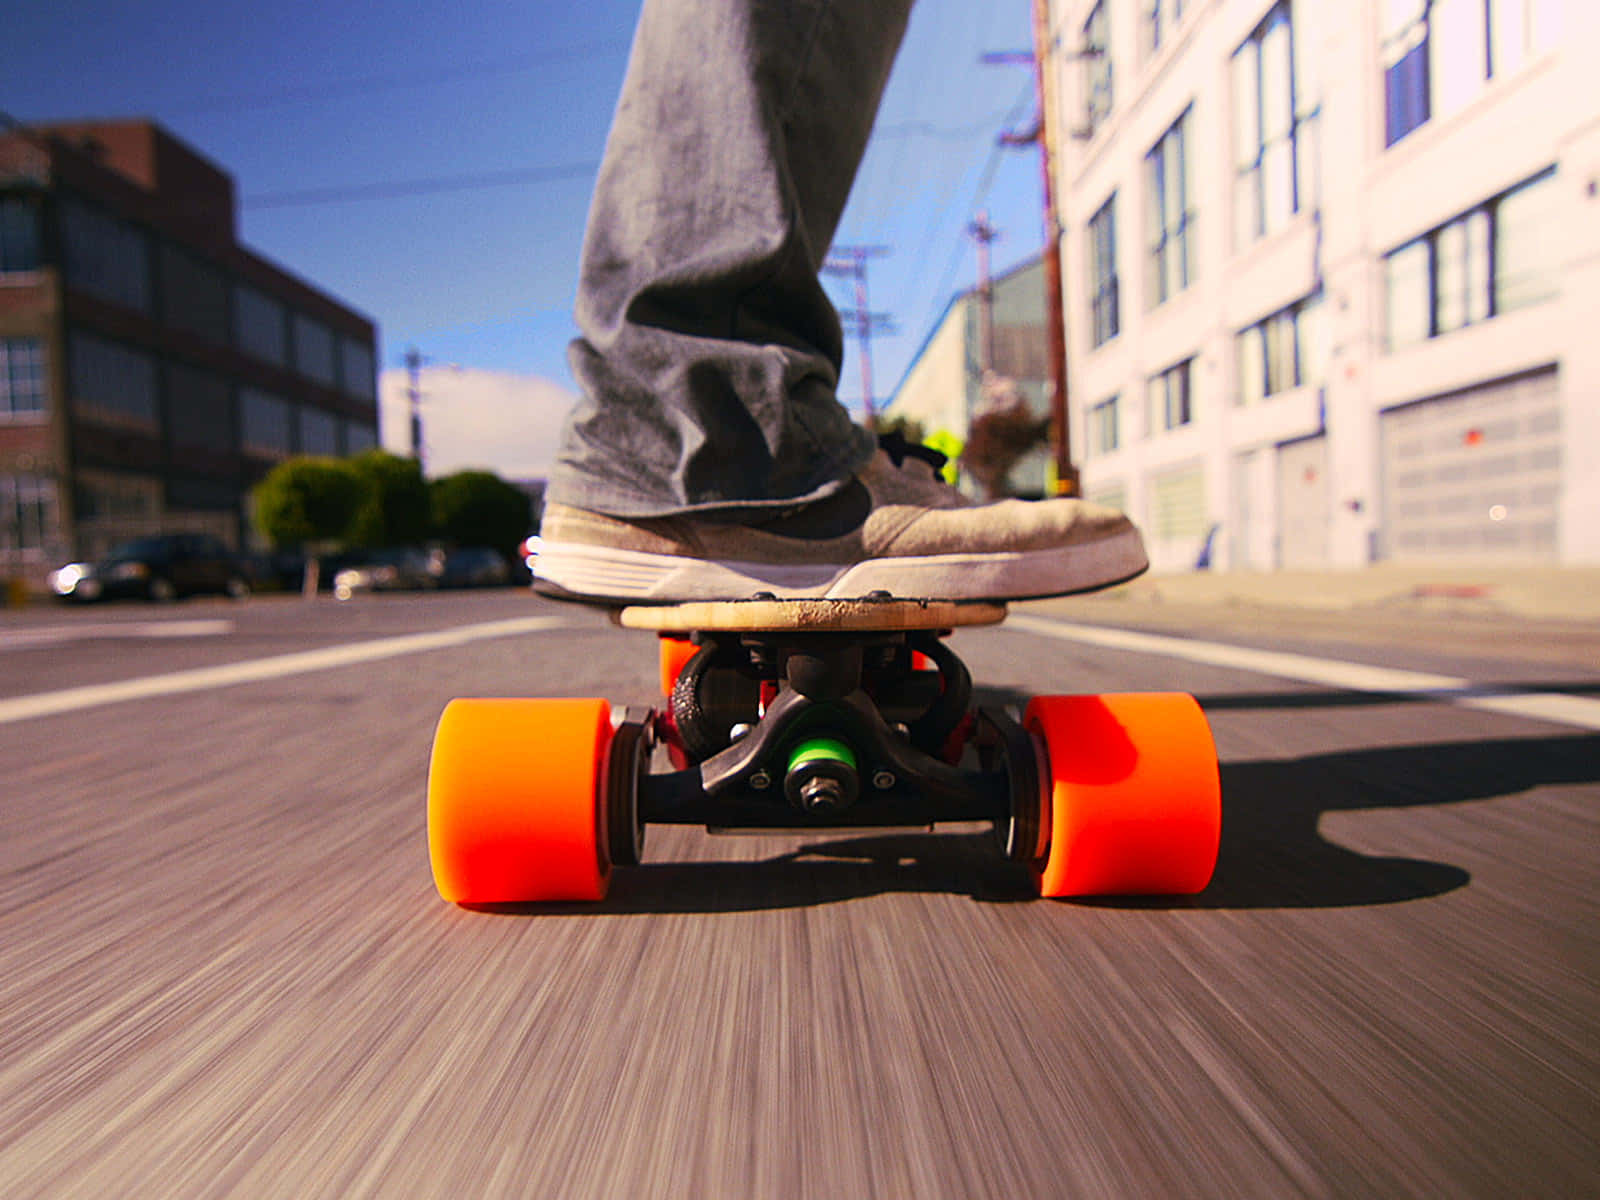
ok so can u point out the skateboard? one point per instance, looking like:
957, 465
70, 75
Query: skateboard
820, 715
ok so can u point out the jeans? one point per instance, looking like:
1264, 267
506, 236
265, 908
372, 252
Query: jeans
709, 359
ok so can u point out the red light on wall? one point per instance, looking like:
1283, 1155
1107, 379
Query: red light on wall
1473, 437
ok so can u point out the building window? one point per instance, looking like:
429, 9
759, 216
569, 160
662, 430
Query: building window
319, 433
194, 295
357, 369
199, 409
313, 351
1160, 18
1170, 207
1284, 351
1097, 68
1439, 54
1274, 127
1496, 258
260, 326
1105, 426
1104, 303
105, 257
359, 437
266, 424
22, 379
1528, 242
19, 235
1169, 398
29, 526
112, 384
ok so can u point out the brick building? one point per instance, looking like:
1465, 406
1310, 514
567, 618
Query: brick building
152, 369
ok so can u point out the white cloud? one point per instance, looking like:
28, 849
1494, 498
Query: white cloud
472, 418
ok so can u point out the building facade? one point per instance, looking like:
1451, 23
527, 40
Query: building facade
152, 369
943, 388
1330, 275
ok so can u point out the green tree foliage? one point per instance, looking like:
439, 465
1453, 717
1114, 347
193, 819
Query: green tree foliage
477, 508
309, 500
396, 510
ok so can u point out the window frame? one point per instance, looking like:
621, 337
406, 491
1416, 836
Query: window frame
1296, 112
1481, 297
1168, 233
33, 370
1099, 83
1174, 409
1105, 288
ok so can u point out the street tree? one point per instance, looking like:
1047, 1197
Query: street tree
396, 510
478, 508
310, 504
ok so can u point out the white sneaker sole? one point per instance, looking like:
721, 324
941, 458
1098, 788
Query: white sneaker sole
632, 576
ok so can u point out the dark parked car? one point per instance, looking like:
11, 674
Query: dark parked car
396, 570
156, 568
474, 566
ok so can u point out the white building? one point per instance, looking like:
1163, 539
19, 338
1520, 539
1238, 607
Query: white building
1332, 273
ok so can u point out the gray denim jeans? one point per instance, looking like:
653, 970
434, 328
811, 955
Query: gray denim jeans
709, 358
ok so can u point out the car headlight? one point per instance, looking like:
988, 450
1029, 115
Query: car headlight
64, 580
129, 570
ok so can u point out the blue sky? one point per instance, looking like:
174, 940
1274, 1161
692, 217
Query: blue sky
335, 95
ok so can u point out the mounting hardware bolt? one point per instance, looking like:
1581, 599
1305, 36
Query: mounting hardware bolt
883, 780
761, 781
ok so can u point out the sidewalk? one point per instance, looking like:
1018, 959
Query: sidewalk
1566, 594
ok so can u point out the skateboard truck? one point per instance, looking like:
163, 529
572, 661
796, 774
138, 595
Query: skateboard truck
814, 715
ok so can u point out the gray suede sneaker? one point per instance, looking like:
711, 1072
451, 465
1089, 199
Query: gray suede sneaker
894, 529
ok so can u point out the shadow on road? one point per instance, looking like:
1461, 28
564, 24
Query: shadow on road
1273, 854
1333, 699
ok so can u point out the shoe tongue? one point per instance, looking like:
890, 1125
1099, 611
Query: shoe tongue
834, 516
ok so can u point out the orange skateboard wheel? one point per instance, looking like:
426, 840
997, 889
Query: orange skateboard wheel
1135, 800
514, 801
675, 655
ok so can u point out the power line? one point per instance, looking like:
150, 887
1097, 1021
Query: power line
369, 84
391, 189
990, 168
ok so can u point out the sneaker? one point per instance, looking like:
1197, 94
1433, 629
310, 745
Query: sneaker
894, 528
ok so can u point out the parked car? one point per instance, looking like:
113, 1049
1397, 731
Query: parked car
474, 566
397, 570
159, 568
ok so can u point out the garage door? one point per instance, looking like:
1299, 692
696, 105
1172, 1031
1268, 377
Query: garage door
1475, 474
1303, 503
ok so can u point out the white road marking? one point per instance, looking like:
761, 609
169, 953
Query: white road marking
55, 635
44, 704
1556, 707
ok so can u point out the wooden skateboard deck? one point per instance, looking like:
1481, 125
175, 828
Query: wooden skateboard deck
869, 615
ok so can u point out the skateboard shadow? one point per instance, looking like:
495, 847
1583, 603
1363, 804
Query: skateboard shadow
1272, 853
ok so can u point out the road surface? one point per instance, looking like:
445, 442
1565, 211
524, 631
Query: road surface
224, 970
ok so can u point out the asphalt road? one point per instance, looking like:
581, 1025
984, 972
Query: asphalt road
224, 970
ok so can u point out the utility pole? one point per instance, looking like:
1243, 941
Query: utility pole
984, 233
852, 261
414, 361
1067, 483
